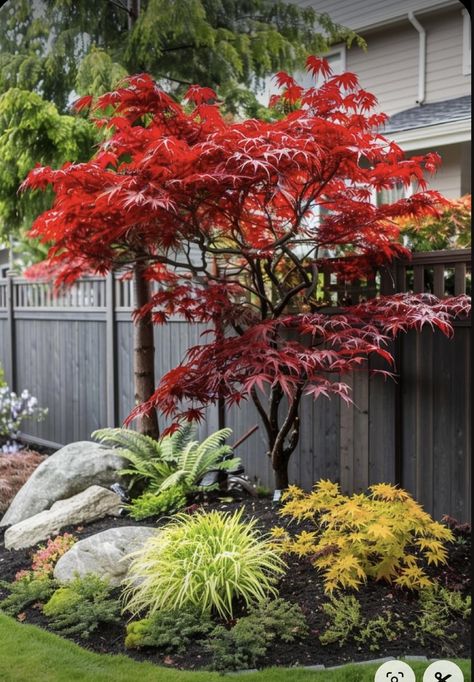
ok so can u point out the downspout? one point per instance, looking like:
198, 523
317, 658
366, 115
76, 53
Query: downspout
421, 57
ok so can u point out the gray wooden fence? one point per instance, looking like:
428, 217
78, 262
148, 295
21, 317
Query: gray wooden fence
74, 352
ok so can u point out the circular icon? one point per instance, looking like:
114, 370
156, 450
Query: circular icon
395, 671
443, 671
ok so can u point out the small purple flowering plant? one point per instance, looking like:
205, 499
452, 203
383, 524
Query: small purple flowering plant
14, 409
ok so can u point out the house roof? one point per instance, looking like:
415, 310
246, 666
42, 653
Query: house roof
430, 114
362, 15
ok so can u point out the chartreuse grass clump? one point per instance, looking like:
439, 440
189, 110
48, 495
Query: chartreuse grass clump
203, 561
384, 535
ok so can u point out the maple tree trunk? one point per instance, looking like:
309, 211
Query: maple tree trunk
280, 467
282, 437
144, 355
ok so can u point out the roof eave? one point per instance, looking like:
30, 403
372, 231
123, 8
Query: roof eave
382, 23
435, 135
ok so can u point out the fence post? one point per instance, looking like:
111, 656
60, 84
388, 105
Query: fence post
111, 351
10, 369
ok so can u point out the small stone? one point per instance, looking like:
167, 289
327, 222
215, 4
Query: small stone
415, 658
106, 554
89, 505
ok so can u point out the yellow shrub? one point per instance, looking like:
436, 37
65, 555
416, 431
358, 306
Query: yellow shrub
384, 535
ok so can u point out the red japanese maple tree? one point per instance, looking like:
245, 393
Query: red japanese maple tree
222, 215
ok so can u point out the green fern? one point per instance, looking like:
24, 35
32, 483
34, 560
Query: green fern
144, 454
174, 460
196, 459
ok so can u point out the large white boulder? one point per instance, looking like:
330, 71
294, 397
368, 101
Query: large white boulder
106, 554
89, 505
70, 470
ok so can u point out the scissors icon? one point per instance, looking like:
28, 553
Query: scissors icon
441, 678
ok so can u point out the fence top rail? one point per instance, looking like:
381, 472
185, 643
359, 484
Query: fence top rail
92, 292
18, 279
445, 257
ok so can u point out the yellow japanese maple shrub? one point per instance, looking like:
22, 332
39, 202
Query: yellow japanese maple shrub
384, 535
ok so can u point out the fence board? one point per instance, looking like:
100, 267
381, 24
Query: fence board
381, 424
361, 431
346, 445
63, 355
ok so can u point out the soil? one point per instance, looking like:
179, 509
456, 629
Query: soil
302, 585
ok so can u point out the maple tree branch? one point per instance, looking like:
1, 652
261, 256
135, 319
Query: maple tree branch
261, 410
276, 396
236, 327
293, 439
286, 299
273, 278
288, 423
259, 291
299, 266
217, 278
261, 285
223, 252
161, 259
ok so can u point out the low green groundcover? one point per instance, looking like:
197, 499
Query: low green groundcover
29, 653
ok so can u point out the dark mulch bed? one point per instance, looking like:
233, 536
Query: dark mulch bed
302, 585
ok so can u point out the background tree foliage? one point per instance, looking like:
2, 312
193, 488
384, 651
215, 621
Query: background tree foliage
450, 229
53, 50
57, 47
32, 131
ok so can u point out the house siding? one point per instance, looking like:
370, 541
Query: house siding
466, 168
444, 48
448, 178
389, 68
391, 57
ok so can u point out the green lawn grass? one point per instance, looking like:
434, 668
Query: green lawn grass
28, 653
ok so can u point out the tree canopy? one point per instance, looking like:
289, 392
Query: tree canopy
57, 47
215, 211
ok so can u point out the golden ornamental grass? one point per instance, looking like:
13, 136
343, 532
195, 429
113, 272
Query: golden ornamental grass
203, 561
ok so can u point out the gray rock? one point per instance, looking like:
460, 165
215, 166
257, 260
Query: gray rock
104, 554
414, 658
367, 662
69, 471
89, 505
